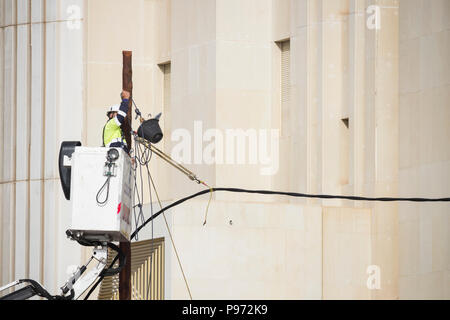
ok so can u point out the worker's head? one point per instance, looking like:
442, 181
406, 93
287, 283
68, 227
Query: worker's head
112, 115
112, 111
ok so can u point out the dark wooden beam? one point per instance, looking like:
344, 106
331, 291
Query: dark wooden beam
127, 84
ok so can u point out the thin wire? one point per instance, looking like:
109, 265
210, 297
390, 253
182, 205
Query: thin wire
171, 239
151, 210
143, 159
136, 192
209, 201
141, 213
150, 148
142, 188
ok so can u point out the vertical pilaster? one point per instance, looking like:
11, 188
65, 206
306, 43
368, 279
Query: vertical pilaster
356, 96
314, 97
334, 71
386, 146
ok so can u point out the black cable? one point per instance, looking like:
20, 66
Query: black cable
42, 292
101, 190
291, 194
110, 271
100, 279
90, 243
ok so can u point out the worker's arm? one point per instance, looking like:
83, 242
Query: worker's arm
122, 113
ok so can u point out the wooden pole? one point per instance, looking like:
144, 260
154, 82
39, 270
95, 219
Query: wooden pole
127, 84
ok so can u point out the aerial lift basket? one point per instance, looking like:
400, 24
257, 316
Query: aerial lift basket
101, 194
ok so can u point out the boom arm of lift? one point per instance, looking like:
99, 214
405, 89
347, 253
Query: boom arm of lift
75, 286
78, 282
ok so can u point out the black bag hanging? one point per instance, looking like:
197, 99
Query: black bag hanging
150, 130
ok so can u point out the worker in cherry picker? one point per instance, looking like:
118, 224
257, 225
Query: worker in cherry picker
112, 131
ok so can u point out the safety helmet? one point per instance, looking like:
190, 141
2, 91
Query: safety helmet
114, 108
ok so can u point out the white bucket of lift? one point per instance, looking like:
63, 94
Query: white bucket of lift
110, 221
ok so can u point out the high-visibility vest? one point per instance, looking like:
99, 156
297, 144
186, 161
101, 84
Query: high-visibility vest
112, 132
